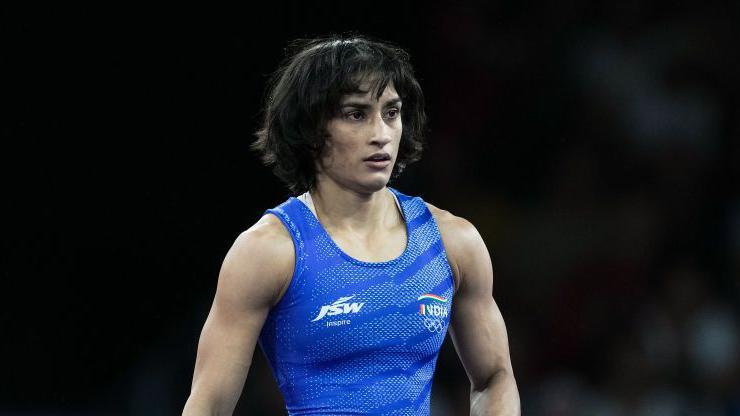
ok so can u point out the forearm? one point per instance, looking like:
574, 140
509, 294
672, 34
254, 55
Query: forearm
498, 397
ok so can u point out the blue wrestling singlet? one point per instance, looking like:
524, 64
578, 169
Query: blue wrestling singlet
351, 337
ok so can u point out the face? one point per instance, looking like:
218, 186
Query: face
363, 127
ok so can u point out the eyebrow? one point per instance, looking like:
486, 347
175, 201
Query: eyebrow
362, 105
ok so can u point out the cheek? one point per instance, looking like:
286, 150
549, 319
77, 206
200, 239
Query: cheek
398, 138
345, 142
340, 148
338, 153
399, 130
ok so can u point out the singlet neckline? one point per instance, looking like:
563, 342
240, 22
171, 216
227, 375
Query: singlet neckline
404, 216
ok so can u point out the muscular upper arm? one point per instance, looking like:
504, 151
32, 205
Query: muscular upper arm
253, 276
476, 326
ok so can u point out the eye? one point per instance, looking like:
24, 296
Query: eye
354, 115
393, 113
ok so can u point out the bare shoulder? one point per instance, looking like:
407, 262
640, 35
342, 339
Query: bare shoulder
268, 236
457, 230
460, 238
268, 229
261, 260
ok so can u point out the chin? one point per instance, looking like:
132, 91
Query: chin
375, 185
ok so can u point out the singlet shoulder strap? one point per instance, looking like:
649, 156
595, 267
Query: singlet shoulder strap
289, 213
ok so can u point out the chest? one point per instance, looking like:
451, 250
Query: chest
339, 308
378, 317
374, 247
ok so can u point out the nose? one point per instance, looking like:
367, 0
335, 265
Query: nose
381, 132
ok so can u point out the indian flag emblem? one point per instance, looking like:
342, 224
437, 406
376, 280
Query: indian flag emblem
432, 296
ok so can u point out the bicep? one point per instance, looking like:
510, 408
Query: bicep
225, 352
247, 286
477, 328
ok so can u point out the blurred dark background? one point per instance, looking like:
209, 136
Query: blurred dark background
593, 144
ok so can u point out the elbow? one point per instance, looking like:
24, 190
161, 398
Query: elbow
200, 406
193, 408
496, 395
498, 376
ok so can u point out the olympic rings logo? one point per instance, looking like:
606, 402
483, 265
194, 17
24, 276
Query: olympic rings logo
433, 324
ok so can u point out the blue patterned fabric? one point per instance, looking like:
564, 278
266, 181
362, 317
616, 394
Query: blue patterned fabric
355, 338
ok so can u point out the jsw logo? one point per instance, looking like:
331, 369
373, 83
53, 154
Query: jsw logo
339, 307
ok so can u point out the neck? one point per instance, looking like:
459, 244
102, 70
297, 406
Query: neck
341, 208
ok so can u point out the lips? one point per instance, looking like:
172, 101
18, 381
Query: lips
378, 157
378, 164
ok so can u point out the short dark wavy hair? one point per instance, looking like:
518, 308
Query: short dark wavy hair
305, 93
